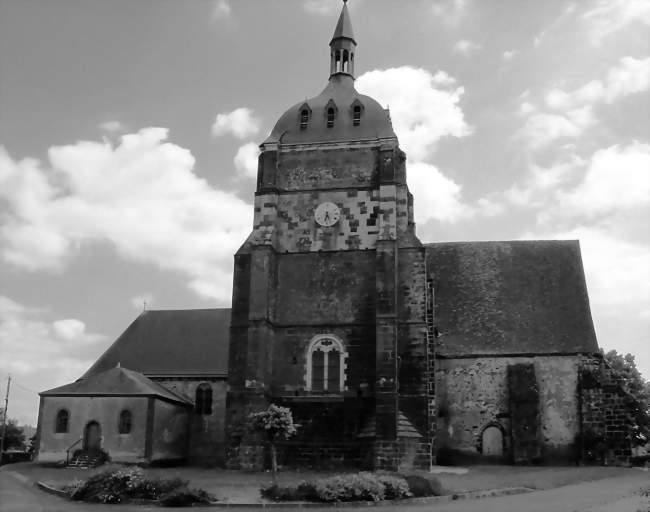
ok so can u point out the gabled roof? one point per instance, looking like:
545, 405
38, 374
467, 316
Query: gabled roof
116, 382
519, 297
189, 342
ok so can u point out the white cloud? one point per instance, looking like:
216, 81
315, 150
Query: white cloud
153, 209
421, 113
616, 181
246, 160
240, 122
509, 54
466, 47
570, 114
435, 195
629, 76
69, 329
543, 183
543, 128
221, 10
424, 108
40, 353
609, 16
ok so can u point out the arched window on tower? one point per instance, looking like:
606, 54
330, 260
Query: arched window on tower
203, 399
331, 114
126, 422
62, 421
325, 365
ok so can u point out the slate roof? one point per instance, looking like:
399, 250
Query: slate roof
116, 382
188, 342
518, 297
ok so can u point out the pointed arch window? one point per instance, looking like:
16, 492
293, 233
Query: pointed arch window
126, 422
62, 423
331, 114
356, 115
325, 370
203, 399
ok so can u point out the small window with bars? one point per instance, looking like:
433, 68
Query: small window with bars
356, 115
331, 114
304, 118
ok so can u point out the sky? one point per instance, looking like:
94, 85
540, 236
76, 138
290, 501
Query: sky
129, 134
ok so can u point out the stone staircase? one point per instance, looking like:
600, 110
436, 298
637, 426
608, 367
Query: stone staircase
84, 461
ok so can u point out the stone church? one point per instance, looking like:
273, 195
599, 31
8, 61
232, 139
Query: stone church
389, 352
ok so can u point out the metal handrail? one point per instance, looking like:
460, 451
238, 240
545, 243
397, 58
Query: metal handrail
67, 452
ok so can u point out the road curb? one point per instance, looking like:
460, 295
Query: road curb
506, 491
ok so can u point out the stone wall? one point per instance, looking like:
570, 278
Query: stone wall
473, 394
206, 445
606, 420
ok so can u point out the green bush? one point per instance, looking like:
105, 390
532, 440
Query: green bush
395, 487
119, 484
356, 487
420, 486
304, 491
184, 497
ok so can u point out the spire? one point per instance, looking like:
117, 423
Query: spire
343, 45
344, 25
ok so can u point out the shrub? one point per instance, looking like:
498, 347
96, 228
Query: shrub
110, 486
420, 486
356, 487
395, 487
304, 491
118, 484
184, 497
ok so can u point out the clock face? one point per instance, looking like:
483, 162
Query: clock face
327, 214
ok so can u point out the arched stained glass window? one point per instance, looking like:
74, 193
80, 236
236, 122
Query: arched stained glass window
325, 365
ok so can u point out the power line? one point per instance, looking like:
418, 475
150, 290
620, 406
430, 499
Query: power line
23, 387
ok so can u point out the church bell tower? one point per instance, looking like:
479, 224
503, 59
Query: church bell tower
329, 292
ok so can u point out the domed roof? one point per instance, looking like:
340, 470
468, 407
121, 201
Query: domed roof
340, 95
339, 113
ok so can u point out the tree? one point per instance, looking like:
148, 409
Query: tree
15, 437
624, 367
274, 424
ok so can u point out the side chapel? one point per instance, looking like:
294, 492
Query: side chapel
390, 352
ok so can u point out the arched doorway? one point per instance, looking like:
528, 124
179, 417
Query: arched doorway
92, 437
492, 441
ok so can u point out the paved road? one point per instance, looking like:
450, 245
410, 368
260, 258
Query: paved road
610, 495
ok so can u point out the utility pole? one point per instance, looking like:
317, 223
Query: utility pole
4, 419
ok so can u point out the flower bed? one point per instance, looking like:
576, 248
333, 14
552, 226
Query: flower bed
362, 486
122, 484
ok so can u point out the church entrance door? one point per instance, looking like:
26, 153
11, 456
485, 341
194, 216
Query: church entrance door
493, 441
92, 437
